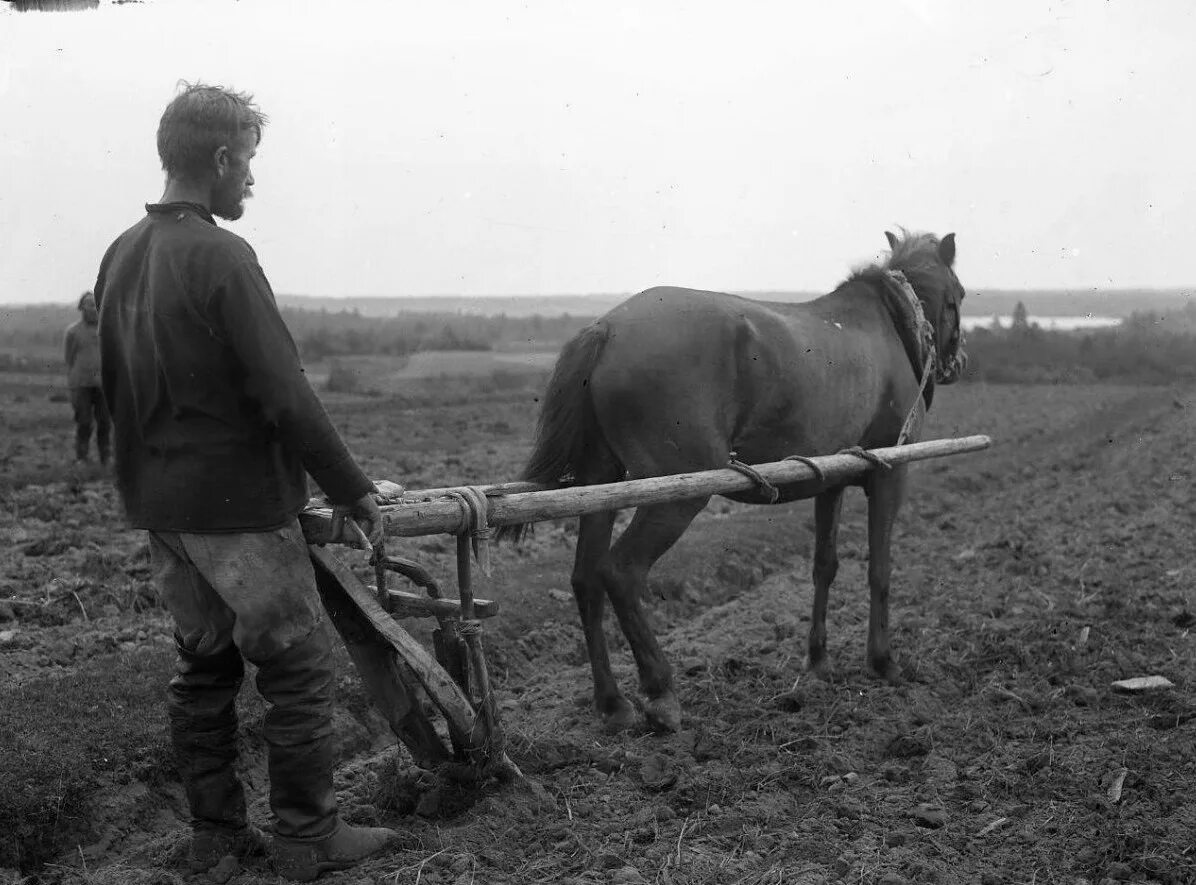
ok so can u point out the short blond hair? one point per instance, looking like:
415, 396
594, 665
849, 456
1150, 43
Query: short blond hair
199, 120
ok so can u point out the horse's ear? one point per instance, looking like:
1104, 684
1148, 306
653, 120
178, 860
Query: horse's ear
892, 240
947, 249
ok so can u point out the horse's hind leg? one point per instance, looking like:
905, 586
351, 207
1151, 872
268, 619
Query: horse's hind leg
827, 507
885, 494
589, 590
651, 533
591, 564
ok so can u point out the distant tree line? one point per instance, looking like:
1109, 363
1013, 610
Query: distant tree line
323, 333
1146, 348
31, 337
35, 327
1151, 348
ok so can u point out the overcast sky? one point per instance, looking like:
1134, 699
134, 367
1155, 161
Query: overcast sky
560, 147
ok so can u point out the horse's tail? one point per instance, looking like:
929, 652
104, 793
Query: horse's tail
567, 430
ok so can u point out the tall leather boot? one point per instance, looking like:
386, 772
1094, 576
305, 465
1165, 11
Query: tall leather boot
309, 836
203, 725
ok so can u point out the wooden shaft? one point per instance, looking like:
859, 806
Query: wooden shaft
465, 576
487, 729
444, 516
491, 490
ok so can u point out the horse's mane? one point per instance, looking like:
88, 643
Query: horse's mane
915, 254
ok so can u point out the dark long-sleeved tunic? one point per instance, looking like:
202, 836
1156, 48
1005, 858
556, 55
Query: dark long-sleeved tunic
215, 423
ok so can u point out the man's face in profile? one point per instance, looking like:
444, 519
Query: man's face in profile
233, 188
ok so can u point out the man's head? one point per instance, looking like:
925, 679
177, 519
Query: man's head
87, 306
206, 139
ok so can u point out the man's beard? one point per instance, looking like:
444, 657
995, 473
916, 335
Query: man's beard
229, 203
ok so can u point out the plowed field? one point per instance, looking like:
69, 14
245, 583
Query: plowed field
1027, 579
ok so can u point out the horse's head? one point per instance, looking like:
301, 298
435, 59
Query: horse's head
927, 263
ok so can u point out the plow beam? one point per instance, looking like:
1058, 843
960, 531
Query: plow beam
515, 504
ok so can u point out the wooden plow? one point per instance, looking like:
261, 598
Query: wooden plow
416, 689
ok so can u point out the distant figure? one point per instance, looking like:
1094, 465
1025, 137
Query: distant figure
82, 353
217, 429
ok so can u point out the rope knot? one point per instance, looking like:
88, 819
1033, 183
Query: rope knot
474, 521
819, 473
755, 476
871, 457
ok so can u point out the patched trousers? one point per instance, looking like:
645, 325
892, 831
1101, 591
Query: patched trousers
249, 595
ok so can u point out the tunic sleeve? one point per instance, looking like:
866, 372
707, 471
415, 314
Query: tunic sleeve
245, 308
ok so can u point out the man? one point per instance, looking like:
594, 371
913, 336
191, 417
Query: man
82, 354
215, 427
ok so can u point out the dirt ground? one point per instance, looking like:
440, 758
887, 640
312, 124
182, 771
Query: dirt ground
1027, 579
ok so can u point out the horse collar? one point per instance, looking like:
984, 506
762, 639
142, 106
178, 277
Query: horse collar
923, 331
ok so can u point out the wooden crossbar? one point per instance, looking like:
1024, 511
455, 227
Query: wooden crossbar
412, 605
513, 504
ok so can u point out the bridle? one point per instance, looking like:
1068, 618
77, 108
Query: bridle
951, 368
934, 365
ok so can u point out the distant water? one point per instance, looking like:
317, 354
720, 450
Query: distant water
1063, 324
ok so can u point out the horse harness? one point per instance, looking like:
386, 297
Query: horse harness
923, 339
917, 334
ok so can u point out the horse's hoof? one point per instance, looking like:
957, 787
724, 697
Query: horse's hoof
619, 718
663, 714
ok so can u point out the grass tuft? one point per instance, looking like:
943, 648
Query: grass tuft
63, 737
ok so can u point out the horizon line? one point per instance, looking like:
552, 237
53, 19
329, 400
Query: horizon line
972, 291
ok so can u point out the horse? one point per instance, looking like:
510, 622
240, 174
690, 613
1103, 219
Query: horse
675, 380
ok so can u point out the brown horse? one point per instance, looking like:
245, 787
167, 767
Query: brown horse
676, 380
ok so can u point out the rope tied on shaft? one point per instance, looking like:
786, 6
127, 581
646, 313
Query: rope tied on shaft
474, 521
819, 473
871, 457
755, 476
771, 490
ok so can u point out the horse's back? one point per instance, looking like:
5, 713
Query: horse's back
688, 375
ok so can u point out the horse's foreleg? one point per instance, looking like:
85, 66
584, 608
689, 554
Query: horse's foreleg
651, 533
826, 565
884, 500
589, 590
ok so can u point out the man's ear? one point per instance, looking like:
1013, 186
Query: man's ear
222, 160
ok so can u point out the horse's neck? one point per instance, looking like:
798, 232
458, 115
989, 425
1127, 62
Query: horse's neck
901, 305
905, 310
915, 330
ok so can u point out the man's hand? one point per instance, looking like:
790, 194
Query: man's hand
364, 511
